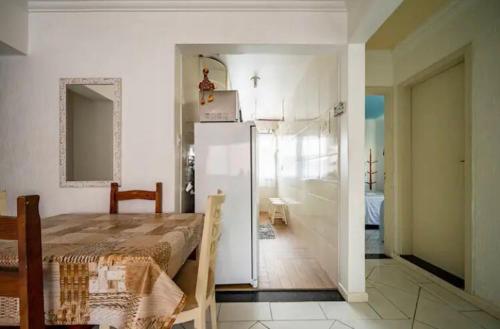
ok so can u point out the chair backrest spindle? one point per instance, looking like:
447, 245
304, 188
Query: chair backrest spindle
116, 196
208, 249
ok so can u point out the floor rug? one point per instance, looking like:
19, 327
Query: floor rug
266, 232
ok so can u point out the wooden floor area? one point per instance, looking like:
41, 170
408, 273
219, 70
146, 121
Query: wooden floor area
285, 263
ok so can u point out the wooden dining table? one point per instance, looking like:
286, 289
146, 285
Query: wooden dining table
110, 269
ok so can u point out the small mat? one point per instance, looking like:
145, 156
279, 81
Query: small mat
266, 232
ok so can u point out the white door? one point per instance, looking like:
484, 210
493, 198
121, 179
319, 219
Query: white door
438, 154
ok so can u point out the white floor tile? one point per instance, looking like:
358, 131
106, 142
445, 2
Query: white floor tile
380, 262
369, 284
441, 316
393, 276
297, 311
450, 298
312, 324
258, 325
382, 324
484, 319
414, 275
392, 290
244, 312
420, 325
237, 325
346, 312
383, 306
340, 325
403, 300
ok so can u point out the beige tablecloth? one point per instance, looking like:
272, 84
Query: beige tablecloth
110, 269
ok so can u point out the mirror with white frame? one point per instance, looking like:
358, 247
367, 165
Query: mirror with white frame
90, 132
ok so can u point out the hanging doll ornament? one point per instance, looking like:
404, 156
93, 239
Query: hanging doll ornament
206, 88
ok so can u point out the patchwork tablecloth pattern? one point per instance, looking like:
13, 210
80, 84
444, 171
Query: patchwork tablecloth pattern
107, 269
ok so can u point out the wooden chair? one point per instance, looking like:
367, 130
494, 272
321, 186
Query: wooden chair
3, 203
25, 282
135, 195
197, 279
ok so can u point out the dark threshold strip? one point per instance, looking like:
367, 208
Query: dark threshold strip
278, 296
437, 271
376, 256
371, 227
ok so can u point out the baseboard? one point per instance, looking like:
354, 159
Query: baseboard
353, 297
474, 300
435, 270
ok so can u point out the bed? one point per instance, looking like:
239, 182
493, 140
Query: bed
374, 205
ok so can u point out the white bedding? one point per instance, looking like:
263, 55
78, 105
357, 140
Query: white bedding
374, 208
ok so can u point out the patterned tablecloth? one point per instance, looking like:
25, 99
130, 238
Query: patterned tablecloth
106, 269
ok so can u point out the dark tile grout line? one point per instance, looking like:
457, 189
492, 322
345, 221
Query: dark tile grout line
374, 310
391, 302
323, 311
432, 326
260, 324
416, 306
335, 321
371, 271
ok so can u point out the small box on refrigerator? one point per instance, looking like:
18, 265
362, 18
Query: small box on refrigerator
224, 108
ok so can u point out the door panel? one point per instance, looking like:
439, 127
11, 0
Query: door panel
438, 144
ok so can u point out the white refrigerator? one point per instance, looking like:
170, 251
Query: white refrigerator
225, 159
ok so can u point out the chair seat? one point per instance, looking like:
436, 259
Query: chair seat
277, 201
186, 280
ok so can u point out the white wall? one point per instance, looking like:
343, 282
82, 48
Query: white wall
13, 27
474, 23
308, 166
140, 49
352, 215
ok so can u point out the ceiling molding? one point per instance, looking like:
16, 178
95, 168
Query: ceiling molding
41, 6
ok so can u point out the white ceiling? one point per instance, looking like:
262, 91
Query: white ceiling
279, 76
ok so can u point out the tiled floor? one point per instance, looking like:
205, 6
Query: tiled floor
399, 298
373, 244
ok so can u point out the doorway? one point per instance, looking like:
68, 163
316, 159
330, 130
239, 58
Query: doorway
374, 176
433, 165
298, 159
438, 157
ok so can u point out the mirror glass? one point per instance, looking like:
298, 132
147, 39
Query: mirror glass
91, 130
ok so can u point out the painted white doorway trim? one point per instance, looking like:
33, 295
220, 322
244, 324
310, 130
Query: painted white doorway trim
352, 184
403, 160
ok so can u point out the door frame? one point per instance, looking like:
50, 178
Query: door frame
389, 197
403, 158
